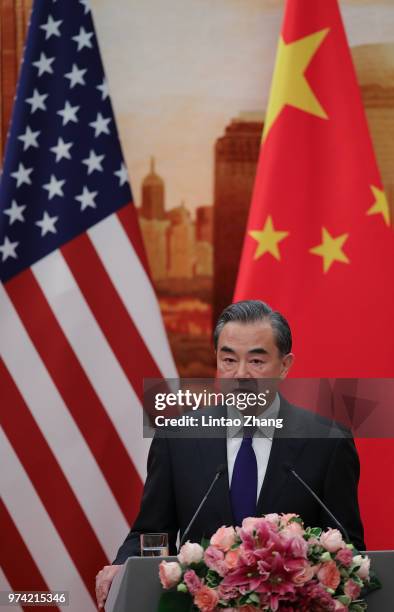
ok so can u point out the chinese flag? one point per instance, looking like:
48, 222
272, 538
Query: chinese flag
319, 245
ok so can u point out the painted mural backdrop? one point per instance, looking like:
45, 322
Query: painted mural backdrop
189, 82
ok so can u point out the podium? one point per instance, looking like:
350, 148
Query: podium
137, 587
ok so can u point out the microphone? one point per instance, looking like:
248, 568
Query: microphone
221, 469
341, 528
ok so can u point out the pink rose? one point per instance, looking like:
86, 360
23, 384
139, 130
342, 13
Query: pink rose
303, 575
292, 529
272, 518
190, 553
214, 559
227, 592
224, 538
329, 575
231, 558
364, 563
352, 589
192, 581
332, 540
252, 522
206, 599
344, 556
170, 573
286, 518
297, 546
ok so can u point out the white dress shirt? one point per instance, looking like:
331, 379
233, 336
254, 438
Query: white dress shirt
262, 442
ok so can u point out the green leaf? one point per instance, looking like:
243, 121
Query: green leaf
254, 598
314, 532
212, 578
205, 543
358, 606
175, 602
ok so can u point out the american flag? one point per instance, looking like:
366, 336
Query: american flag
79, 321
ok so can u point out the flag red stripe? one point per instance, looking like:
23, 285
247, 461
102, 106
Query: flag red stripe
128, 218
19, 566
110, 312
50, 483
76, 391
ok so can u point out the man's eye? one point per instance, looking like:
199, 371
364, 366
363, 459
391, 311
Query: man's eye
257, 361
229, 360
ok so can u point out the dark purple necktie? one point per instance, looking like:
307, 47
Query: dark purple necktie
243, 489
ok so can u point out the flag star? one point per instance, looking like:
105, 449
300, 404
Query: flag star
22, 175
54, 187
87, 198
44, 64
104, 89
29, 138
93, 162
62, 149
100, 125
289, 85
76, 76
83, 39
268, 239
47, 224
8, 249
69, 113
122, 174
15, 212
381, 205
37, 101
51, 27
331, 249
86, 5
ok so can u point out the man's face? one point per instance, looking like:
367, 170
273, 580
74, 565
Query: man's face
248, 350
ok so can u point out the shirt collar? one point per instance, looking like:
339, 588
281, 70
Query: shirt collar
271, 412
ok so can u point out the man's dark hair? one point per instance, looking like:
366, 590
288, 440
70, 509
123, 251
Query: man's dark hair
250, 311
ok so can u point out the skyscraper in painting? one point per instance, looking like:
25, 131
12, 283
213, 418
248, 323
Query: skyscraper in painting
236, 155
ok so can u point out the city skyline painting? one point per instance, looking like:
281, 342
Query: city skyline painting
190, 123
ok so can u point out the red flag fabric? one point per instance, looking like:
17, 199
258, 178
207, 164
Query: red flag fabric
319, 245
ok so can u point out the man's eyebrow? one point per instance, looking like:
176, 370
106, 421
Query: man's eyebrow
258, 351
254, 351
227, 349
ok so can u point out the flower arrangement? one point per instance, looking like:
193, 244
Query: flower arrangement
271, 563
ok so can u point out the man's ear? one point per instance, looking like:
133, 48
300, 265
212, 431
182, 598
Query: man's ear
287, 362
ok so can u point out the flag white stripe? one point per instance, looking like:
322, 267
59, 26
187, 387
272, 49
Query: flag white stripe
95, 354
134, 287
38, 532
59, 429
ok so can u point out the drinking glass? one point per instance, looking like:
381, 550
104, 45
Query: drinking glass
154, 544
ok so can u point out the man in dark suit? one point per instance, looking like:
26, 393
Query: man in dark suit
252, 342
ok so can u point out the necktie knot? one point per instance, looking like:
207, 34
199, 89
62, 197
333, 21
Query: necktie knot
248, 433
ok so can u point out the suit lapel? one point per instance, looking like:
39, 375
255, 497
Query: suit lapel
284, 451
213, 453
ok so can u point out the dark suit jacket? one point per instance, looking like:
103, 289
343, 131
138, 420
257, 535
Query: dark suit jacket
181, 470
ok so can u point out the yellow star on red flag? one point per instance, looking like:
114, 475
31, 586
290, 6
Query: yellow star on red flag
268, 239
289, 84
330, 249
380, 205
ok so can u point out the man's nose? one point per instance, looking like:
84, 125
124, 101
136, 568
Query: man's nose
242, 370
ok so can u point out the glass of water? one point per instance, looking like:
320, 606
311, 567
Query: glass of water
154, 544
